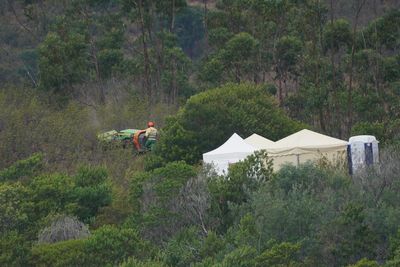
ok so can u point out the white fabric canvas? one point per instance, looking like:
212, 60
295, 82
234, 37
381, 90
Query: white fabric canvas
259, 141
309, 139
233, 150
306, 145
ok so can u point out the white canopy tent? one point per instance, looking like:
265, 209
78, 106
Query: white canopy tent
307, 145
259, 142
233, 150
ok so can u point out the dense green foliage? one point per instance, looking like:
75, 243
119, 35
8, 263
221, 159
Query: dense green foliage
159, 200
202, 70
182, 215
330, 62
119, 244
28, 202
22, 168
209, 118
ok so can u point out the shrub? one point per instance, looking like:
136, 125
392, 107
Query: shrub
301, 200
22, 168
110, 245
159, 200
15, 207
132, 262
14, 249
209, 118
212, 245
27, 126
243, 179
67, 253
184, 249
365, 263
92, 191
51, 193
283, 254
240, 257
63, 228
107, 246
372, 128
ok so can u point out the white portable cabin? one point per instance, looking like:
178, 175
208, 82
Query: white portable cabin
233, 150
363, 151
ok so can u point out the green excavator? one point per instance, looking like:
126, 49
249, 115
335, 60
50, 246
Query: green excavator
125, 138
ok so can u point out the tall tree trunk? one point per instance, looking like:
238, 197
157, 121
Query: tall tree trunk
17, 19
333, 83
350, 88
280, 91
379, 83
318, 39
205, 25
172, 17
146, 83
174, 83
332, 52
93, 52
100, 85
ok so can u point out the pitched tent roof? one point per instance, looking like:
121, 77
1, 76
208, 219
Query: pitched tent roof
307, 145
233, 150
306, 140
259, 142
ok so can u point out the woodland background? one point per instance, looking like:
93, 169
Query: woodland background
201, 70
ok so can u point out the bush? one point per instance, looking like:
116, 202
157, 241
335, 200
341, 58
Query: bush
377, 129
81, 195
212, 245
63, 228
209, 118
67, 253
157, 197
15, 207
28, 126
92, 191
365, 263
301, 200
184, 249
132, 262
110, 245
52, 193
283, 254
309, 177
107, 246
240, 257
22, 168
243, 179
14, 249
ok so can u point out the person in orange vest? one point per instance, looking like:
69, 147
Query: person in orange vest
151, 136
